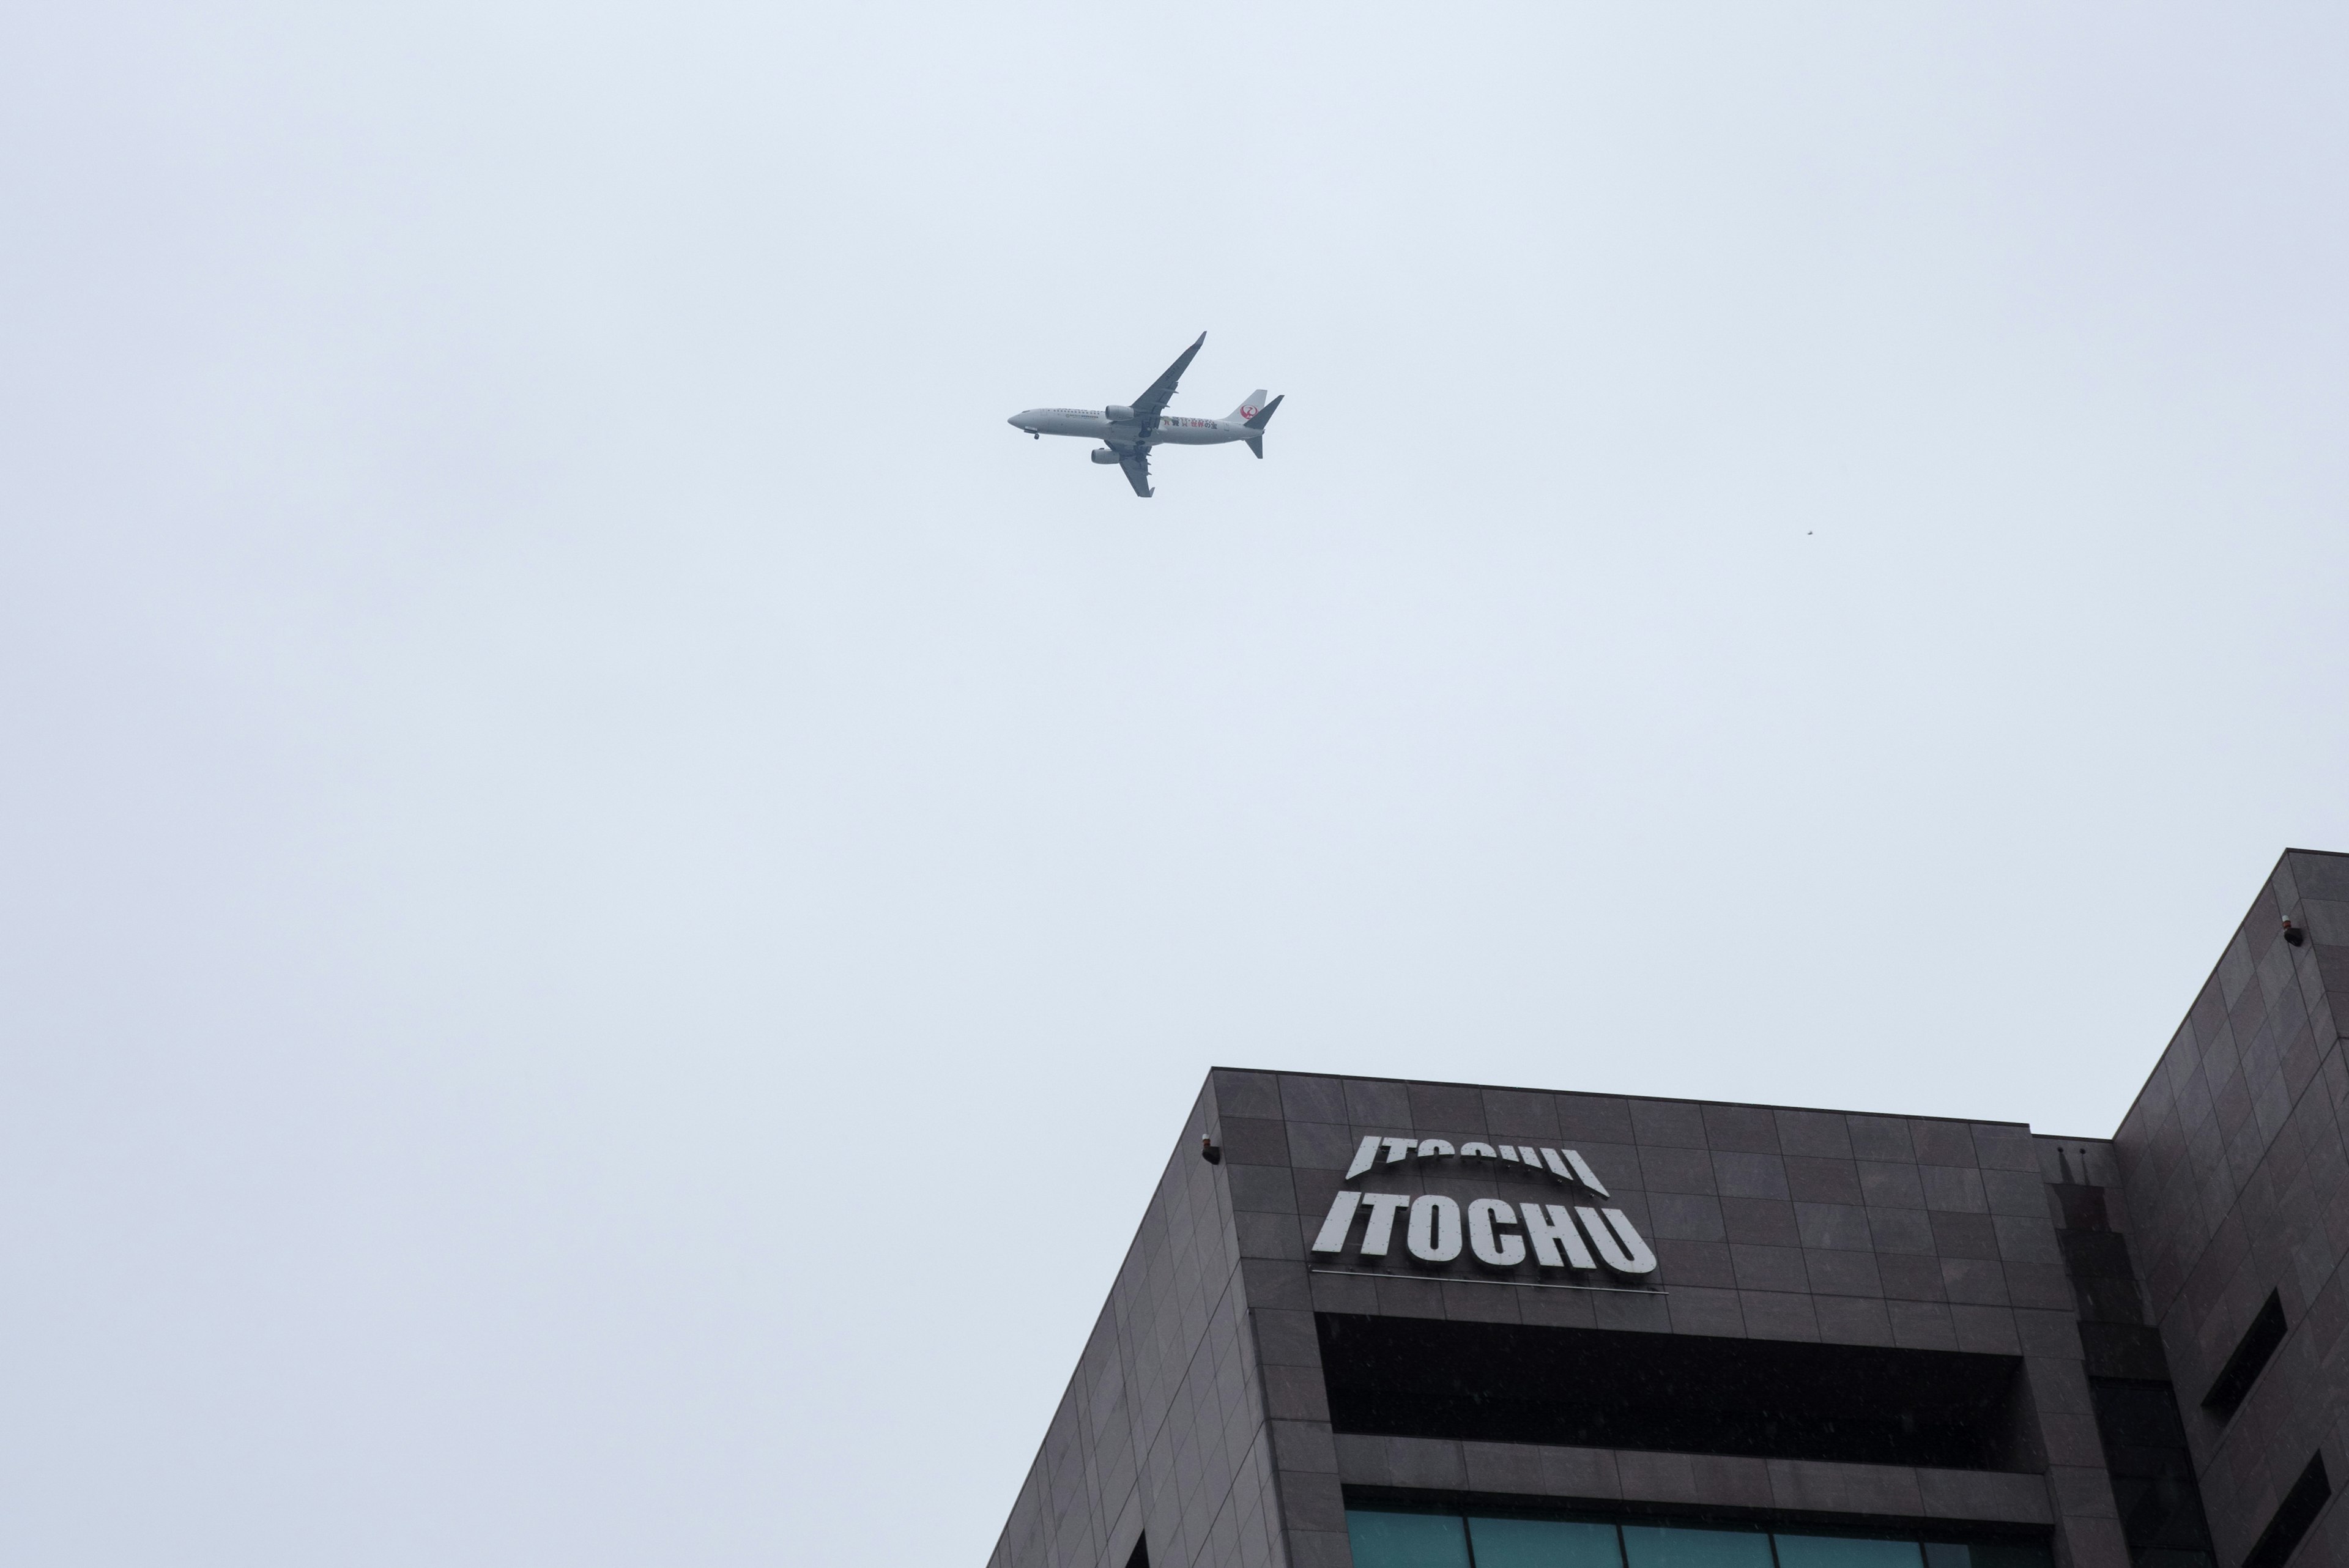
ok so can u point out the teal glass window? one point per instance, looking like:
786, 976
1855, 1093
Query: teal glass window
1405, 1538
1543, 1543
1383, 1539
1845, 1552
1681, 1546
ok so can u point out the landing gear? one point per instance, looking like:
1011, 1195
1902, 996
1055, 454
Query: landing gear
1035, 435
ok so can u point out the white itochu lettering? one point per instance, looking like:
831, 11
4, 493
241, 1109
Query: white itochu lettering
1582, 1172
1555, 1235
1435, 1229
1501, 1251
1619, 1246
1380, 1230
1500, 1233
1552, 1229
1332, 1238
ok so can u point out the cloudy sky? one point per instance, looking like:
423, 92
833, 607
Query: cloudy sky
583, 828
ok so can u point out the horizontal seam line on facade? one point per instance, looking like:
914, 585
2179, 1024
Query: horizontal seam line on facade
1521, 1284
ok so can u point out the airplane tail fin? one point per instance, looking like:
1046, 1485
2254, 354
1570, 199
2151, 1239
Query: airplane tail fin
1258, 420
1246, 411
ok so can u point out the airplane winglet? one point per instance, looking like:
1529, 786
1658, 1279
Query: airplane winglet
1153, 402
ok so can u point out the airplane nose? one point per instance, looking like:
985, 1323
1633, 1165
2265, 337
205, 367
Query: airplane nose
1013, 421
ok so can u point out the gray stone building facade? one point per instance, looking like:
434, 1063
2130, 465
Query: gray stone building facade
1377, 1324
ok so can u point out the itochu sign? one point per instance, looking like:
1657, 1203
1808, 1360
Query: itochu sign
1496, 1233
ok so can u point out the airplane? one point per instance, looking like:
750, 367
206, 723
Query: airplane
1127, 432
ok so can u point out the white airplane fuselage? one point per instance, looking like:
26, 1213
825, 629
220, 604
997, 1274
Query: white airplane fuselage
1098, 426
1128, 431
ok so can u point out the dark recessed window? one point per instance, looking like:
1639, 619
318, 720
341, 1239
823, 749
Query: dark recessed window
1511, 1383
2298, 1510
2251, 1358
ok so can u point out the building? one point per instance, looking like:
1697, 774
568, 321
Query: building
1402, 1324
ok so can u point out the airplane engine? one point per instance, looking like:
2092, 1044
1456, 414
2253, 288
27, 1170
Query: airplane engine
1103, 455
1118, 414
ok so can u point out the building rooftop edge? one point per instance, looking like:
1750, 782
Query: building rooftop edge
1653, 1099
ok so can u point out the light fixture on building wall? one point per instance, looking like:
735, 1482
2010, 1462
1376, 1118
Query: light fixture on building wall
1208, 1152
2293, 933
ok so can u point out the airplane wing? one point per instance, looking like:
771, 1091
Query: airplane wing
1152, 403
1135, 461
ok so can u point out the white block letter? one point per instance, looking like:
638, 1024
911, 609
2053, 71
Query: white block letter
1476, 1151
1429, 1147
1380, 1230
1363, 1155
1582, 1170
1631, 1255
1435, 1229
1501, 1251
1397, 1147
1341, 1218
1551, 1230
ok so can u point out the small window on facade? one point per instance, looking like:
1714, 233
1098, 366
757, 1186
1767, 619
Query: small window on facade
2298, 1510
2250, 1359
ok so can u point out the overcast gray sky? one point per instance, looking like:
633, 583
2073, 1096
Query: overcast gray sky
583, 828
